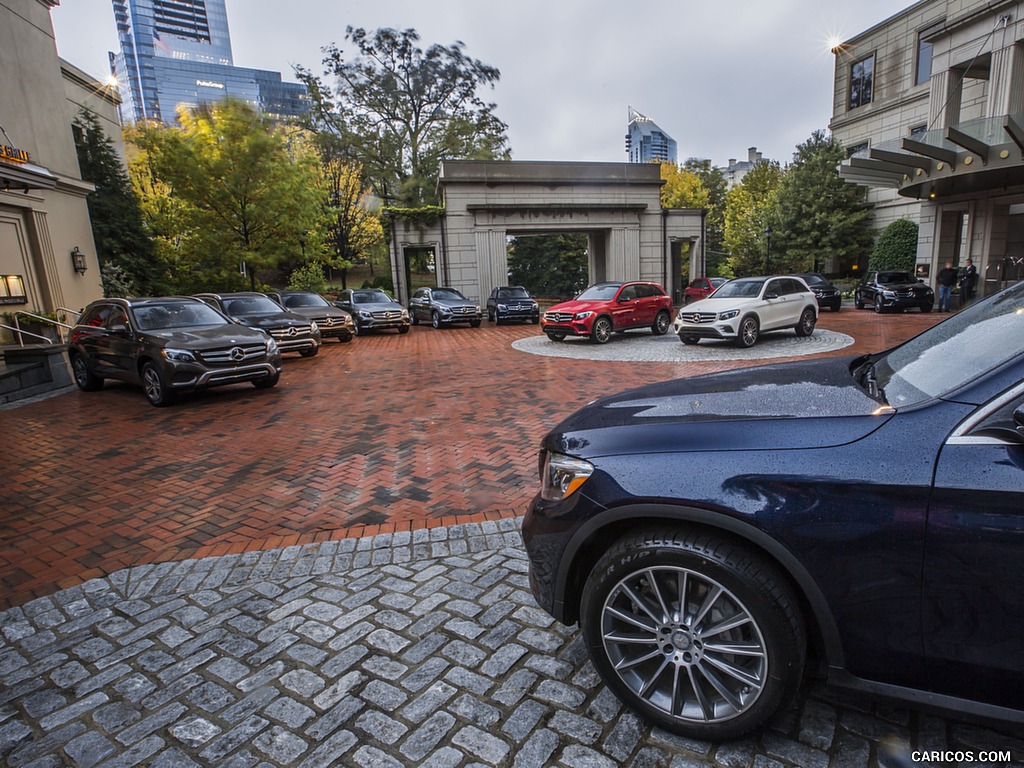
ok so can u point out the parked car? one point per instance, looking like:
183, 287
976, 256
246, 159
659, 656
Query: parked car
168, 345
743, 309
292, 332
702, 287
893, 289
828, 295
606, 308
372, 310
443, 306
512, 302
331, 321
716, 536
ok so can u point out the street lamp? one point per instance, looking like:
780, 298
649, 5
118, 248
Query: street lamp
768, 250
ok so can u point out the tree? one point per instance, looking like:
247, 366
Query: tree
127, 258
682, 188
554, 266
820, 220
352, 232
896, 247
715, 183
401, 110
248, 196
749, 207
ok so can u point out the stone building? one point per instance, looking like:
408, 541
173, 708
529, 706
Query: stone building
930, 105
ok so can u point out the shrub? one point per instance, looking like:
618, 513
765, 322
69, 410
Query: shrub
896, 247
309, 277
383, 282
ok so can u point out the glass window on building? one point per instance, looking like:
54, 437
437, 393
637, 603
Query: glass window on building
860, 82
924, 62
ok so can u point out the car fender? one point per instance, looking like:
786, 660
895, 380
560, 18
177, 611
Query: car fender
572, 562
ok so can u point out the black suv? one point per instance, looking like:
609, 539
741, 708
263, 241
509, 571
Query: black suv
443, 306
168, 345
512, 302
292, 332
331, 321
828, 295
372, 310
893, 289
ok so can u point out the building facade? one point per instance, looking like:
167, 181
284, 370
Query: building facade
47, 256
737, 169
646, 142
178, 52
930, 106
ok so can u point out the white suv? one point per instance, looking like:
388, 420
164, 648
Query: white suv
741, 309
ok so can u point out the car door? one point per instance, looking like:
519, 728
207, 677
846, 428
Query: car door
624, 307
973, 597
774, 311
866, 290
646, 305
416, 304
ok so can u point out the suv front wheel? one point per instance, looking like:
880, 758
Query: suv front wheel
602, 331
155, 386
697, 634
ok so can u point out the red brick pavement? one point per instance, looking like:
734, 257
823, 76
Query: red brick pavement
387, 433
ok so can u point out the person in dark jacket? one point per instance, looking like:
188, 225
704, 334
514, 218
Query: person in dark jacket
946, 280
968, 282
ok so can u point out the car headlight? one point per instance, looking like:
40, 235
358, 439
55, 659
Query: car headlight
271, 346
889, 294
477, 307
365, 315
533, 305
728, 315
562, 476
178, 355
503, 307
405, 314
312, 327
582, 315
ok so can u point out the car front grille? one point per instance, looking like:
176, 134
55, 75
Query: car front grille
289, 333
390, 314
233, 355
697, 318
463, 311
558, 317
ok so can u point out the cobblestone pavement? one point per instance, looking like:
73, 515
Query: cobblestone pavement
420, 648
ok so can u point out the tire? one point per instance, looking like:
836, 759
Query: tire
356, 330
691, 583
86, 380
435, 319
403, 329
268, 382
879, 309
535, 320
858, 302
310, 352
689, 339
347, 339
602, 331
556, 336
927, 308
155, 386
805, 327
661, 324
413, 319
749, 330
475, 323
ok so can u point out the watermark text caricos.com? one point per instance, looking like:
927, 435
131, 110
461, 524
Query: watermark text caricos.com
961, 756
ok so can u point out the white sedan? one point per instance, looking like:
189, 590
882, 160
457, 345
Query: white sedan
742, 309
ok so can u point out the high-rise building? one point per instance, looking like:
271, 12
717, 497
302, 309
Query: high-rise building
177, 52
646, 142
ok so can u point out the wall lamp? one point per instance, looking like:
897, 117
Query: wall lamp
78, 260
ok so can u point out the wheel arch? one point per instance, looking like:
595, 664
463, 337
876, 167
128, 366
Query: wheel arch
597, 534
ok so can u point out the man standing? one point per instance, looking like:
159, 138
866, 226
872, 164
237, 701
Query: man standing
968, 282
946, 280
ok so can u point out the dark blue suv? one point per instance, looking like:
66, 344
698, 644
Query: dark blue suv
716, 535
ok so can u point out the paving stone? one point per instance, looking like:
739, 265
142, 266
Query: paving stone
380, 727
490, 749
194, 731
280, 745
537, 751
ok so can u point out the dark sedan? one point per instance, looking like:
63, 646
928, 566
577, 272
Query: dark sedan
828, 296
168, 345
292, 332
443, 306
331, 321
718, 535
373, 310
893, 290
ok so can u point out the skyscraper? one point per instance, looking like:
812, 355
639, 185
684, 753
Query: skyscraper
179, 52
646, 142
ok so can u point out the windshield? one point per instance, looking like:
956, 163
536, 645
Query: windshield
813, 279
251, 305
176, 314
895, 277
744, 289
304, 300
969, 344
447, 294
717, 281
370, 297
513, 293
603, 292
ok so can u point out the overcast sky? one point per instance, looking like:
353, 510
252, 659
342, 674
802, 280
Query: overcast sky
718, 76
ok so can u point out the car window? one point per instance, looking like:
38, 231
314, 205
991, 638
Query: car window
96, 316
895, 277
116, 317
628, 293
777, 287
602, 292
944, 358
740, 289
304, 300
377, 297
448, 294
814, 280
513, 293
699, 284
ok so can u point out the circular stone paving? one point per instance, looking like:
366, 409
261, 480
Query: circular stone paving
642, 346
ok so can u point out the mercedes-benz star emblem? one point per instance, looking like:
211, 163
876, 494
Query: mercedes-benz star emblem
237, 354
292, 331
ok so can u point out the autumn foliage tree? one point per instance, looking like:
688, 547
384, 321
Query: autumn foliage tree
749, 211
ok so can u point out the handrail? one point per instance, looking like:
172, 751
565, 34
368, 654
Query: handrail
65, 310
39, 318
21, 332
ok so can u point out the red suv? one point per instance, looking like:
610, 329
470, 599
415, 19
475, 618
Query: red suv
701, 287
606, 308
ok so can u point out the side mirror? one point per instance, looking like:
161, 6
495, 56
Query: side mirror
120, 329
771, 295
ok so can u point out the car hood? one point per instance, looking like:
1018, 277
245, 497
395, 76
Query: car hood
378, 306
207, 337
315, 312
579, 306
716, 305
273, 320
453, 302
812, 404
